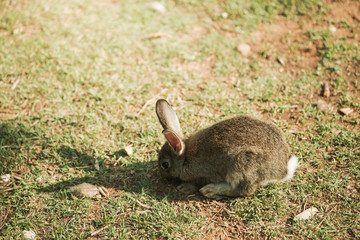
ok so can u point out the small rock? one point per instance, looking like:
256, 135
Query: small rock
18, 30
129, 150
84, 189
244, 49
225, 15
29, 235
346, 111
157, 6
326, 90
5, 177
308, 213
323, 106
332, 28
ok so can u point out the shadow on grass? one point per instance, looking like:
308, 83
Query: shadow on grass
138, 178
21, 146
16, 145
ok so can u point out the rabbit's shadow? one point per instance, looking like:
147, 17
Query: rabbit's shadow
138, 178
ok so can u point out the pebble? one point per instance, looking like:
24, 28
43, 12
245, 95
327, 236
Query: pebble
84, 189
5, 177
244, 49
225, 15
157, 6
332, 28
322, 105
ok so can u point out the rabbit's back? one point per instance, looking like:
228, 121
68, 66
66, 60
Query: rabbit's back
237, 134
239, 147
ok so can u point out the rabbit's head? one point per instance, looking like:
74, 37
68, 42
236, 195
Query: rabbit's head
171, 155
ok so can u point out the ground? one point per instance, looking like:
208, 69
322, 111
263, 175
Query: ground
79, 81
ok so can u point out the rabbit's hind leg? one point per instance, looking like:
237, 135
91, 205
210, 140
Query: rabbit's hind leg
224, 189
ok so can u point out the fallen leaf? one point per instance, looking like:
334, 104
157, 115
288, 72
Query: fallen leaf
346, 111
280, 60
129, 150
29, 235
308, 213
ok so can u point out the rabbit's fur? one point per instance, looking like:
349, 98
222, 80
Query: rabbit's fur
229, 159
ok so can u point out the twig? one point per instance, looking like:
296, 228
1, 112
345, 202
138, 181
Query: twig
98, 231
17, 81
103, 191
159, 35
15, 84
356, 149
148, 102
9, 146
10, 189
141, 204
324, 217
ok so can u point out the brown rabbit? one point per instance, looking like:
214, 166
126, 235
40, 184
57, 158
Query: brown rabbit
229, 159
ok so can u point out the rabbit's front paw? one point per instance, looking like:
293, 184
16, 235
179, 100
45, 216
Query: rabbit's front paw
187, 188
215, 191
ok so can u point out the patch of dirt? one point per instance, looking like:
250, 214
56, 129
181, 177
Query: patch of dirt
195, 35
201, 70
286, 42
218, 225
283, 41
346, 10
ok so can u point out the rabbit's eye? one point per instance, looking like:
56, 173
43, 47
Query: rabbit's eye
165, 165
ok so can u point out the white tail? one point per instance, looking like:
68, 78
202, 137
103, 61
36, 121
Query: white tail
292, 165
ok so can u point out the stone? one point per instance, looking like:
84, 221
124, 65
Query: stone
84, 189
244, 49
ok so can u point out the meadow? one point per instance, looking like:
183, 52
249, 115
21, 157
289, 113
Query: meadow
79, 81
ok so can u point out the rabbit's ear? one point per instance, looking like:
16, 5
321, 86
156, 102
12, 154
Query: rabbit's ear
175, 141
167, 117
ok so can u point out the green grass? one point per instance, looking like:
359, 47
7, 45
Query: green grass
78, 83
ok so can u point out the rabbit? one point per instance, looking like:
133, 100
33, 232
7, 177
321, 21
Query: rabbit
231, 158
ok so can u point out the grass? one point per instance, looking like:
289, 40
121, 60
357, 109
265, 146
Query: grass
78, 83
